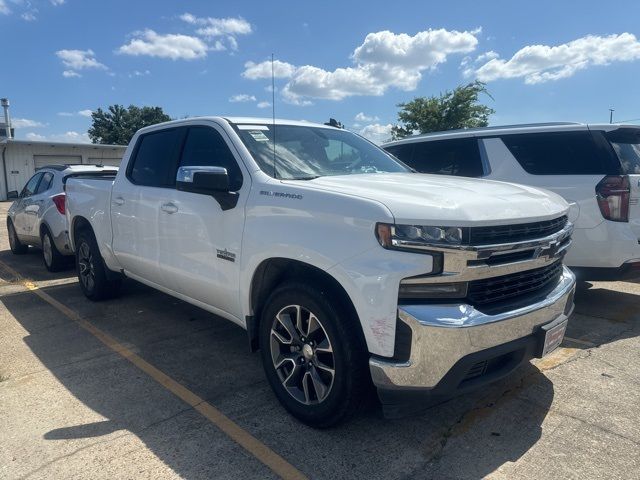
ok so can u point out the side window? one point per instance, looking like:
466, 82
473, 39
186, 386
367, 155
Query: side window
155, 158
459, 157
45, 183
205, 147
558, 153
402, 152
30, 188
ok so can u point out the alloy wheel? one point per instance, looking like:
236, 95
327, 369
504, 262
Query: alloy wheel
47, 250
86, 268
302, 354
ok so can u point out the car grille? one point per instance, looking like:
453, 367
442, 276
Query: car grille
515, 233
494, 290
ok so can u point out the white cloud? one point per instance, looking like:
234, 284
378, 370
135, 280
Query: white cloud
4, 8
56, 3
173, 46
29, 16
225, 28
67, 137
79, 59
26, 123
81, 113
376, 132
543, 63
385, 59
139, 73
263, 104
242, 97
70, 74
361, 117
255, 71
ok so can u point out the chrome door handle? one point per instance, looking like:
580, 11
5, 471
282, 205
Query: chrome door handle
169, 208
118, 201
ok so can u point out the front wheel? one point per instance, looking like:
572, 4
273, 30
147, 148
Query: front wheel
17, 247
92, 272
313, 355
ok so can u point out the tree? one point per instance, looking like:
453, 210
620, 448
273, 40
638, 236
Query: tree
459, 108
117, 125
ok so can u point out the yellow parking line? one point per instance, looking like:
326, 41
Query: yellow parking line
243, 438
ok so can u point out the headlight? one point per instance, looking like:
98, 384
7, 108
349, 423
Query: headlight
417, 237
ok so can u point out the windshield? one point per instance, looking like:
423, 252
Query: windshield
303, 152
626, 143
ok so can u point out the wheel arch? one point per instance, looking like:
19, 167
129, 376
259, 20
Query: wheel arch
78, 224
274, 271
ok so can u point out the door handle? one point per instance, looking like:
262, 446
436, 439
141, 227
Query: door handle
118, 201
169, 208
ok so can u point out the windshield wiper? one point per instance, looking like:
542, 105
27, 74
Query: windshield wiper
310, 177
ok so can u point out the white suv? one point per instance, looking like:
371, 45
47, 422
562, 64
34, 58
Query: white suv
596, 168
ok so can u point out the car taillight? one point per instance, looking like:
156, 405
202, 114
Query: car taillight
613, 194
60, 201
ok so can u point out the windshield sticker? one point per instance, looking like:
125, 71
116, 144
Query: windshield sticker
253, 127
258, 136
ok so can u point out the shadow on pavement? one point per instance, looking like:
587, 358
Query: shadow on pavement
467, 437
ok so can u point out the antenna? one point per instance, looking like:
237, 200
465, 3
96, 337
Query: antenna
273, 115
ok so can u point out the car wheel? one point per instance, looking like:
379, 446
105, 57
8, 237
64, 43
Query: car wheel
92, 272
313, 354
16, 246
52, 258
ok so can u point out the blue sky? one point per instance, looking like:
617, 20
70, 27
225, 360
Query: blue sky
354, 61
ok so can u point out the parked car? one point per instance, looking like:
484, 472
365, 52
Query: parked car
343, 266
596, 168
37, 218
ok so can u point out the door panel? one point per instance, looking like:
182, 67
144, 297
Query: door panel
25, 219
137, 199
199, 242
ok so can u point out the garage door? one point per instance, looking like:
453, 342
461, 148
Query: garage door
44, 160
107, 162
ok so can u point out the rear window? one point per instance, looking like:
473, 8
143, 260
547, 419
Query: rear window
156, 158
560, 153
459, 157
626, 144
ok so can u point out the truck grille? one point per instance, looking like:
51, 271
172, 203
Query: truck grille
491, 291
515, 233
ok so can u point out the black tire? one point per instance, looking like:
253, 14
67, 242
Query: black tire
17, 247
92, 272
53, 260
351, 377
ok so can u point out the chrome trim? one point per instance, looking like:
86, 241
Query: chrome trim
457, 259
185, 174
443, 334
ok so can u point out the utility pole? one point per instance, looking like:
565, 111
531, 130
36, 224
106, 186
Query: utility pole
611, 110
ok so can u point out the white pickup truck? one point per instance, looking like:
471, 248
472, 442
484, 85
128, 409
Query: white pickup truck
344, 266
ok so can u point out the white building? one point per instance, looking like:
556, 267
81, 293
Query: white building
21, 158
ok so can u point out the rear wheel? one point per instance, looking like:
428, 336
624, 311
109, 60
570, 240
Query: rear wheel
52, 258
16, 246
92, 272
313, 355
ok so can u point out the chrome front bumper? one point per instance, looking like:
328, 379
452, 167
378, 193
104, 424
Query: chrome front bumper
442, 335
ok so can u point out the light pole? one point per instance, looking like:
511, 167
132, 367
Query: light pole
611, 110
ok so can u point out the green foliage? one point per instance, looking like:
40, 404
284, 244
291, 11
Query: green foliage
117, 125
459, 108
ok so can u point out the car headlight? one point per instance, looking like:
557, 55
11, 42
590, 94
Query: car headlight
417, 237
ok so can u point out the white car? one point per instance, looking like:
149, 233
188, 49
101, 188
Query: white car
596, 168
37, 218
342, 265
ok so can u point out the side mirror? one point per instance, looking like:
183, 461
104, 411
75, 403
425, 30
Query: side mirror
212, 181
205, 180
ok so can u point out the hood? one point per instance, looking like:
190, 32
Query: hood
416, 198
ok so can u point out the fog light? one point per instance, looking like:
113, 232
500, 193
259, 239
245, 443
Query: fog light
410, 288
